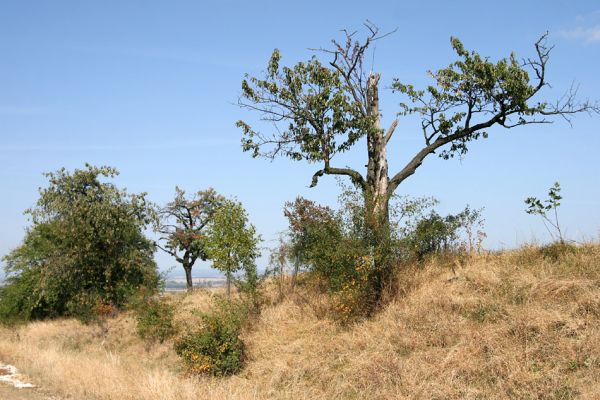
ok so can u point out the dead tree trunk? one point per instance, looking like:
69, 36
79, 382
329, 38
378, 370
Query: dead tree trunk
376, 196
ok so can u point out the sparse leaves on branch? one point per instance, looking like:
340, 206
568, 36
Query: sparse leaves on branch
473, 94
536, 207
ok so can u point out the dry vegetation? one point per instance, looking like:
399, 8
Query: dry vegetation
514, 325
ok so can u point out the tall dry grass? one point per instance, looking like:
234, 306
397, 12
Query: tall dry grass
520, 325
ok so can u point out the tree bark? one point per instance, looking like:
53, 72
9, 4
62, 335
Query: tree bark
228, 284
188, 277
376, 196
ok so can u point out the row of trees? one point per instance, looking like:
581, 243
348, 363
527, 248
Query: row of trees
86, 248
86, 244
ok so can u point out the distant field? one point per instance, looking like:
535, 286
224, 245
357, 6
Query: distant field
179, 284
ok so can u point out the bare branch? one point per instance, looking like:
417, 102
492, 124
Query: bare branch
355, 176
391, 130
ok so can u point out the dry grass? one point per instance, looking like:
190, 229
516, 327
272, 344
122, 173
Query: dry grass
513, 325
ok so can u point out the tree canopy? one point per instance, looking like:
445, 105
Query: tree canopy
322, 107
183, 225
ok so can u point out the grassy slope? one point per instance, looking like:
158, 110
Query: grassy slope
514, 325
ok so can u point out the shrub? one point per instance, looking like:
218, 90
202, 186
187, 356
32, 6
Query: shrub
356, 262
317, 241
353, 299
435, 234
18, 297
215, 348
155, 320
558, 250
86, 246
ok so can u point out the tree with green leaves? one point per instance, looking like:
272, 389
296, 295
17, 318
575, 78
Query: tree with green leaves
232, 241
183, 224
85, 248
322, 108
551, 204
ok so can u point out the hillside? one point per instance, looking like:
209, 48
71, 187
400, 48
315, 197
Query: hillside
522, 324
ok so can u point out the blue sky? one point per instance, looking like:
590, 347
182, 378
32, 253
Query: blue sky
150, 87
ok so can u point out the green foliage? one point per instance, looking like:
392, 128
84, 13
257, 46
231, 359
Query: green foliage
232, 241
333, 248
558, 250
551, 204
319, 104
435, 234
338, 250
474, 83
318, 242
215, 348
85, 247
154, 319
17, 297
248, 285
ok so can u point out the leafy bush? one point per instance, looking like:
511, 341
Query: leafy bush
435, 234
155, 320
318, 241
215, 348
558, 250
85, 247
18, 297
357, 263
353, 299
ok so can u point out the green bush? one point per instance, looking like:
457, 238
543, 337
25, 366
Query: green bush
318, 242
557, 250
437, 234
355, 261
155, 320
18, 297
215, 348
86, 247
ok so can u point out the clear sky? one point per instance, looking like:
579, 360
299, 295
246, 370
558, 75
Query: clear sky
150, 87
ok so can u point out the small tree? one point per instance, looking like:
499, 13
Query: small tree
551, 204
232, 243
183, 224
85, 248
